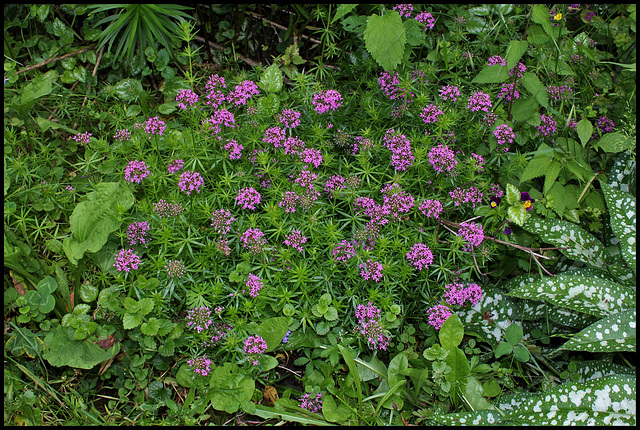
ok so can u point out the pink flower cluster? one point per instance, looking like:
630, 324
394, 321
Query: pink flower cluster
477, 161
325, 101
289, 201
83, 138
154, 126
311, 404
122, 135
605, 125
136, 232
199, 319
472, 233
430, 113
338, 182
254, 283
505, 135
442, 158
255, 345
202, 365
221, 220
126, 260
175, 165
305, 178
343, 251
248, 198
390, 85
438, 315
136, 171
449, 92
467, 195
243, 92
400, 147
457, 294
215, 97
420, 256
496, 60
396, 200
175, 268
519, 69
548, 125
404, 10
431, 208
311, 156
275, 136
509, 92
371, 270
479, 101
235, 150
190, 181
295, 240
370, 327
427, 19
187, 96
162, 208
290, 118
560, 93
253, 239
368, 207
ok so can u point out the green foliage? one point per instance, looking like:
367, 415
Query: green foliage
385, 38
61, 348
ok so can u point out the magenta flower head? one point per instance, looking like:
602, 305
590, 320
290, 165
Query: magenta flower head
438, 315
255, 345
326, 100
248, 198
126, 260
154, 126
527, 200
136, 171
190, 181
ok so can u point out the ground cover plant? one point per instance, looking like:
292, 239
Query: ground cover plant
409, 214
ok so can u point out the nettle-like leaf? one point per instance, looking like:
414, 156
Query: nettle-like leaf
385, 38
492, 75
616, 332
574, 290
574, 241
622, 210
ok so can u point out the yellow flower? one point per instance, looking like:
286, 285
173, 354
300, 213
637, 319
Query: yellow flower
558, 17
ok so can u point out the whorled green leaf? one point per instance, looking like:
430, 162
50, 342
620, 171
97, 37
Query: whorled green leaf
385, 38
574, 290
573, 241
616, 332
622, 215
269, 105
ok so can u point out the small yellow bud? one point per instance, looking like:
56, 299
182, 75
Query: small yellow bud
558, 17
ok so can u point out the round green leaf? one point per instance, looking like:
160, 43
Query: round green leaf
88, 293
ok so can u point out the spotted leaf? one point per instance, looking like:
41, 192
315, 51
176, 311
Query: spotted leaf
573, 290
622, 210
574, 241
616, 332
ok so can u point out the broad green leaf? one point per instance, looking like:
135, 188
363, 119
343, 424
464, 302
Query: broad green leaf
537, 166
371, 369
37, 88
145, 306
272, 79
47, 286
540, 15
131, 321
24, 341
552, 174
503, 348
150, 328
229, 388
335, 413
622, 215
524, 108
573, 241
574, 290
473, 392
88, 293
273, 330
398, 364
585, 129
513, 334
515, 51
167, 108
536, 35
385, 38
513, 194
46, 124
451, 332
343, 10
492, 75
535, 87
518, 214
353, 369
95, 218
616, 332
60, 351
128, 90
459, 365
614, 142
415, 32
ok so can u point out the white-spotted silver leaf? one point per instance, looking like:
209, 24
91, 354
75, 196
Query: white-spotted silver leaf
573, 290
616, 332
594, 369
579, 243
622, 215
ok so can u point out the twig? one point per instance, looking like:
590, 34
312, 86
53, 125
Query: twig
280, 26
221, 48
50, 60
95, 69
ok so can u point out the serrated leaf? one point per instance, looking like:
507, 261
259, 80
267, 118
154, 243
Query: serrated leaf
616, 332
415, 32
88, 293
538, 165
596, 296
331, 314
573, 241
131, 321
385, 37
585, 129
535, 87
540, 15
515, 51
146, 306
342, 10
513, 194
552, 174
272, 79
622, 216
524, 108
492, 75
614, 142
151, 328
